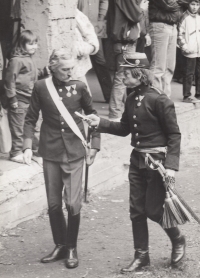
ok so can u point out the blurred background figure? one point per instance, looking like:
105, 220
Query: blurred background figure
96, 11
123, 28
163, 16
189, 43
86, 44
1, 71
144, 41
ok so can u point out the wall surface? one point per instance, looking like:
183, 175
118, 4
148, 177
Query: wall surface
53, 22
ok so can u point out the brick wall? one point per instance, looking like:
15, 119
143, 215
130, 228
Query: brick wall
53, 21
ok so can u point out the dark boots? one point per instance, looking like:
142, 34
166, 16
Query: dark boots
140, 260
140, 237
64, 238
57, 254
59, 231
71, 260
178, 245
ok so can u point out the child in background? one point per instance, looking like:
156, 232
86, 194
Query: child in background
20, 77
189, 43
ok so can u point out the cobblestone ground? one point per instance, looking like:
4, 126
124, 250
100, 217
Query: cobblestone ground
105, 239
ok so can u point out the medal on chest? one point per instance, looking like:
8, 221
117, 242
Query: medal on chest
139, 98
71, 90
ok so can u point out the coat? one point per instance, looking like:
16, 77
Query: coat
151, 119
165, 11
20, 76
123, 19
85, 44
56, 137
188, 35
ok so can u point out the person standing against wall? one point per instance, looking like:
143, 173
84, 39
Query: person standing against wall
96, 11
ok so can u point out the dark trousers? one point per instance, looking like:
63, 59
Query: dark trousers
64, 177
147, 194
102, 72
192, 68
16, 122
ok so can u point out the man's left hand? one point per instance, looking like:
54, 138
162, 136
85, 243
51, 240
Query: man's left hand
170, 172
93, 153
170, 178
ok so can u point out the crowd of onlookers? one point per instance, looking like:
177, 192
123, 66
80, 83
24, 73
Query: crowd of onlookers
107, 32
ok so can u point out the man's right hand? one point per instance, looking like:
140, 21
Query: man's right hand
27, 156
92, 120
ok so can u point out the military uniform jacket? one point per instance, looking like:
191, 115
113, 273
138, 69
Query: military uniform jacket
56, 137
151, 119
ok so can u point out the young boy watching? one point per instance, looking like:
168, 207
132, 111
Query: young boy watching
189, 42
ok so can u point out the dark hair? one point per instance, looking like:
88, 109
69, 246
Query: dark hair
25, 37
146, 75
190, 1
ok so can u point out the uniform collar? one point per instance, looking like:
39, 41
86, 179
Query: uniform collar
60, 83
141, 89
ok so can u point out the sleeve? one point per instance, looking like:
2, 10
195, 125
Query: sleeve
181, 36
167, 117
87, 106
103, 8
82, 47
87, 31
131, 9
12, 71
121, 128
31, 119
43, 73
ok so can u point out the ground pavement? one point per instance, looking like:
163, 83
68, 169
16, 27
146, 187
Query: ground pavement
105, 240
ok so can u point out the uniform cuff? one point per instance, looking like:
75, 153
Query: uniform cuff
27, 144
172, 162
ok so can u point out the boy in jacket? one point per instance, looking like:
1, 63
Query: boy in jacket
189, 43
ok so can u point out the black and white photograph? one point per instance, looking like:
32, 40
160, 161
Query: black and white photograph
99, 138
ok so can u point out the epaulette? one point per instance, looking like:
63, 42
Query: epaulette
157, 90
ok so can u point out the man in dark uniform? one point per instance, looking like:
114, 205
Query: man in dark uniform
62, 151
151, 119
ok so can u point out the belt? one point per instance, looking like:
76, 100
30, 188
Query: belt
152, 150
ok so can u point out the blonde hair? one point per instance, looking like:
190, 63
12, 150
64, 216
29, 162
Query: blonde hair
56, 56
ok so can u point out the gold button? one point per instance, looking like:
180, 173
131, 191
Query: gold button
134, 116
62, 123
135, 125
139, 104
62, 130
138, 143
136, 98
136, 134
60, 90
